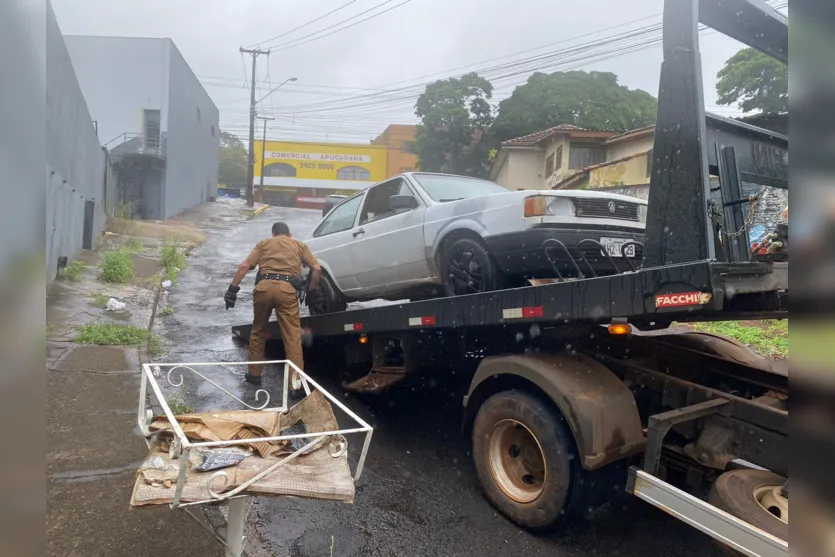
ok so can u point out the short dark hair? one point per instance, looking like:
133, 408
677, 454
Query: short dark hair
281, 229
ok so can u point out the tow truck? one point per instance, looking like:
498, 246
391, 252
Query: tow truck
582, 382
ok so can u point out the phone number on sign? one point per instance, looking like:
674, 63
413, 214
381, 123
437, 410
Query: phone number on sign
320, 166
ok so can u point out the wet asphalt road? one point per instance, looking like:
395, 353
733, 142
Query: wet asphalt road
418, 494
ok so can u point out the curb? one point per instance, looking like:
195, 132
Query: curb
259, 210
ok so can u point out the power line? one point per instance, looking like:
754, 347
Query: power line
302, 26
288, 45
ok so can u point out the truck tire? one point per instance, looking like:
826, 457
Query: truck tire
747, 494
467, 268
526, 460
326, 298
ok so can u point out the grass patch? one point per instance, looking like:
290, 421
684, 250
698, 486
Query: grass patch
173, 260
73, 271
769, 338
167, 310
116, 266
124, 211
178, 405
99, 299
111, 334
133, 245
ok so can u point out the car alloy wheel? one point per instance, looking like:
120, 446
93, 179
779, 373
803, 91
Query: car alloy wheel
468, 268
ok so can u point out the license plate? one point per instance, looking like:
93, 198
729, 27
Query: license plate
613, 247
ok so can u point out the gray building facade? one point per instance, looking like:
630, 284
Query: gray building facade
75, 160
159, 124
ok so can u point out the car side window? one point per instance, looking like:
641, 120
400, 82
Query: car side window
340, 218
377, 200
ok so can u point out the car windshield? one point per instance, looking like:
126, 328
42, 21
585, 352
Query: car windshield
452, 188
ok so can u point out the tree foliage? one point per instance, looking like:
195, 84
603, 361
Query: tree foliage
232, 159
455, 119
754, 81
587, 99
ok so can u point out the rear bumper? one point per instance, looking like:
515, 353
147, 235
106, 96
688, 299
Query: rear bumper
522, 253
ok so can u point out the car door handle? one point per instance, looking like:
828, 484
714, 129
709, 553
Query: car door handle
358, 232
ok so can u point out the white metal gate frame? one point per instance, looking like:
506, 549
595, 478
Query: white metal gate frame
181, 447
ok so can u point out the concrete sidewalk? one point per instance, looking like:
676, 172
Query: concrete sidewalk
94, 445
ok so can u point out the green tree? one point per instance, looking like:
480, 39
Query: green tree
455, 118
591, 100
754, 81
231, 159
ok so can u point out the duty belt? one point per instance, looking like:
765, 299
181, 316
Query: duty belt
295, 282
270, 276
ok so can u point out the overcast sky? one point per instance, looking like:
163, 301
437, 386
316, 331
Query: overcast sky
339, 95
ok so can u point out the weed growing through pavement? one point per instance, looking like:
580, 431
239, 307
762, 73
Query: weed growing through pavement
72, 272
99, 299
133, 245
166, 311
178, 404
124, 211
111, 334
173, 260
154, 347
116, 266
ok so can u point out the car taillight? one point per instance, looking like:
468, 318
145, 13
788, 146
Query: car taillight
535, 206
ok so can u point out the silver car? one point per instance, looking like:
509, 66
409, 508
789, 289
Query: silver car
421, 234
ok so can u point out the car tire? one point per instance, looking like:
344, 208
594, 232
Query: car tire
467, 268
326, 298
526, 460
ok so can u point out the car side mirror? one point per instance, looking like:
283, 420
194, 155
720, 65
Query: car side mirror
397, 202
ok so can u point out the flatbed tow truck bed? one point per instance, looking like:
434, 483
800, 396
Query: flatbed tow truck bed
694, 424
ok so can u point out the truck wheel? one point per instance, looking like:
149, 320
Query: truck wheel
467, 268
326, 298
525, 460
756, 497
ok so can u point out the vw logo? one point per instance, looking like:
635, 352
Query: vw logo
612, 207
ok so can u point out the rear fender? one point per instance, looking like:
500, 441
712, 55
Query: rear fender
599, 409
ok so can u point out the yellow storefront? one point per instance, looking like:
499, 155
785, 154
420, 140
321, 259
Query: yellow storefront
303, 174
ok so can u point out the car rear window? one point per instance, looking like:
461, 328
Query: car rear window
452, 188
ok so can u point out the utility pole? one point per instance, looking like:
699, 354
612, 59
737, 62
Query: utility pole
250, 169
263, 151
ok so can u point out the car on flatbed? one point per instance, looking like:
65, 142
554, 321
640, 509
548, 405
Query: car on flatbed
424, 234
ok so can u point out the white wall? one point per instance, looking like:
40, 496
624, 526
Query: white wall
525, 169
192, 143
626, 148
75, 161
120, 77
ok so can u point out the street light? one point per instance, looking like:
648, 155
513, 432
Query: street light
276, 89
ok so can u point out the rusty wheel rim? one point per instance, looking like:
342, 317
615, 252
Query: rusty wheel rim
770, 497
517, 462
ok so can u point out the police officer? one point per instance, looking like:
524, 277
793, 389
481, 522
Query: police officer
277, 286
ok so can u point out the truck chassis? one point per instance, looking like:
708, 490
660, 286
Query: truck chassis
566, 396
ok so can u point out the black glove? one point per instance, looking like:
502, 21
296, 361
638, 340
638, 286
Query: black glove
231, 295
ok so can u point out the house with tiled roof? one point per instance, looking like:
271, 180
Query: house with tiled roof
539, 160
571, 157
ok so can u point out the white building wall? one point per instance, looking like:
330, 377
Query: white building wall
120, 77
525, 169
75, 161
626, 148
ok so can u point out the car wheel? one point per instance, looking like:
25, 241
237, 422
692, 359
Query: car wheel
525, 460
467, 268
326, 298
